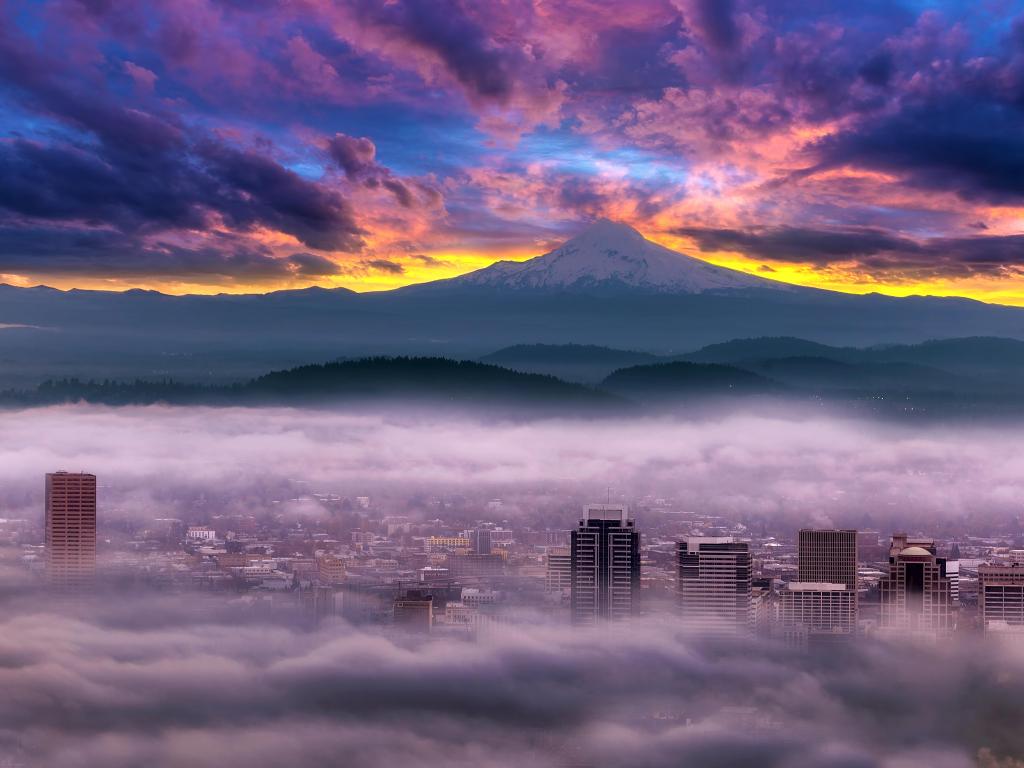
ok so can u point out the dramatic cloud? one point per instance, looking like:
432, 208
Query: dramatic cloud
871, 250
972, 147
364, 132
356, 157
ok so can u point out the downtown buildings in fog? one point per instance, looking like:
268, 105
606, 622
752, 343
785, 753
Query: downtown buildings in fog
429, 577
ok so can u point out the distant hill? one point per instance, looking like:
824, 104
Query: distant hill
679, 380
417, 379
819, 374
766, 348
413, 380
586, 363
970, 364
973, 364
975, 354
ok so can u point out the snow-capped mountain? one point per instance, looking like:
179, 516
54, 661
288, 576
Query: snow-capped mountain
610, 256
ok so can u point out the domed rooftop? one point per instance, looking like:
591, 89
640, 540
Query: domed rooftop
915, 552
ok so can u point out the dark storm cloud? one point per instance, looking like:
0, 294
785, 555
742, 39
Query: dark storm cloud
140, 188
383, 265
256, 190
313, 265
353, 155
138, 169
974, 148
444, 28
430, 261
357, 158
715, 19
878, 69
814, 246
57, 250
872, 250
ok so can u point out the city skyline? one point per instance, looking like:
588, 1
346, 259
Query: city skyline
338, 594
593, 573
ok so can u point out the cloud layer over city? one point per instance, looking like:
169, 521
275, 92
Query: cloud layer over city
827, 469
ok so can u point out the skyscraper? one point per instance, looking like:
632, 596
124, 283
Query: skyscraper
1001, 598
714, 585
826, 562
70, 535
480, 541
810, 612
605, 562
828, 556
558, 573
414, 611
915, 596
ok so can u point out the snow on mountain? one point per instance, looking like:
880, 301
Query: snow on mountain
612, 256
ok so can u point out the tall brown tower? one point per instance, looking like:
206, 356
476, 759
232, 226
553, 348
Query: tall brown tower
70, 530
826, 555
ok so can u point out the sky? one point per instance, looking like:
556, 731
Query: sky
221, 145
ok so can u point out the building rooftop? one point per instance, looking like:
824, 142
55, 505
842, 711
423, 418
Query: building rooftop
915, 552
815, 586
606, 512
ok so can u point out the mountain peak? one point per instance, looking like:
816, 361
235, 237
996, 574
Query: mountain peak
610, 257
608, 228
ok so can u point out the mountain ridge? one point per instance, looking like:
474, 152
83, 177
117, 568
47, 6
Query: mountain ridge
48, 333
607, 257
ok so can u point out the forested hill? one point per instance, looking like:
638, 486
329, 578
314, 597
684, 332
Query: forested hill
409, 379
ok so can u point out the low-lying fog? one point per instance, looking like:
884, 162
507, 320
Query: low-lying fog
148, 679
821, 468
132, 681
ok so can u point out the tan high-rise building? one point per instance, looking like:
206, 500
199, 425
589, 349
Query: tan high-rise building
330, 570
916, 596
70, 530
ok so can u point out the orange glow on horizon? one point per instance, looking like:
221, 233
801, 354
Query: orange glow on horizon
452, 263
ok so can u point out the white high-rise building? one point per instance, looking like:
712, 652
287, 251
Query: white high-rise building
714, 585
953, 574
815, 610
558, 574
1001, 598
